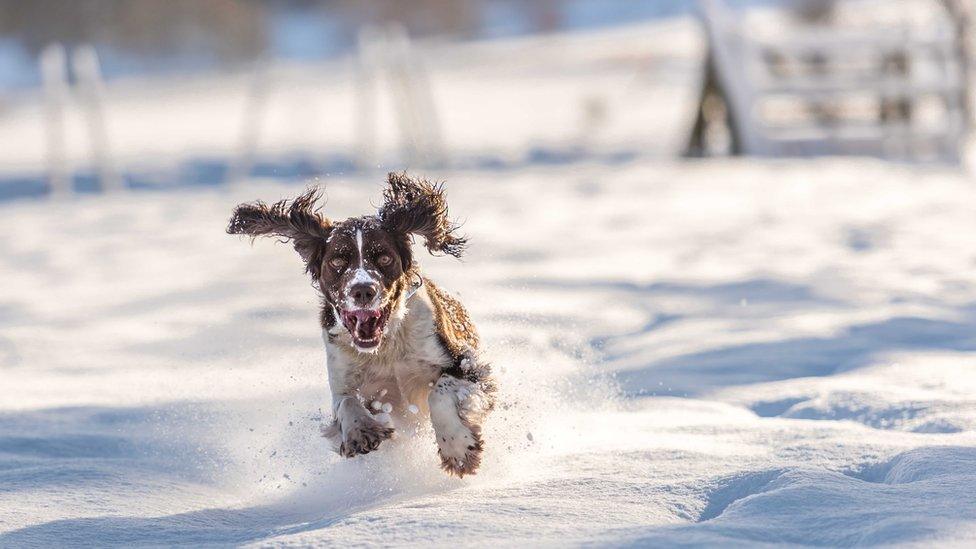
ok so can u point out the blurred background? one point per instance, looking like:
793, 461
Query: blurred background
105, 94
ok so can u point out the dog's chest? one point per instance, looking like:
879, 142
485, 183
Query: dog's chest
402, 372
402, 383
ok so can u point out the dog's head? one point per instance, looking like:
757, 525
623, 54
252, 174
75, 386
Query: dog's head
363, 266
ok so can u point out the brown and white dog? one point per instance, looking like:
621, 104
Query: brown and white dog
398, 347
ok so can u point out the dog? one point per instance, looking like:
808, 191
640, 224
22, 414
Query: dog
398, 347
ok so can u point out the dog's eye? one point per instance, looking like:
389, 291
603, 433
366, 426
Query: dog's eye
384, 260
337, 262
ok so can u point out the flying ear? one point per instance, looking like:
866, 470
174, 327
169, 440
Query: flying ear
297, 221
417, 206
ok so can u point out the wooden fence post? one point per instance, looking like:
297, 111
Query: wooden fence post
84, 61
53, 65
256, 93
365, 92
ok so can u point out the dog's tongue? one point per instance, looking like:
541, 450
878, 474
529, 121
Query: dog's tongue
366, 325
362, 315
364, 322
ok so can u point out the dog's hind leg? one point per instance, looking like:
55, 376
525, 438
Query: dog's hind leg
457, 408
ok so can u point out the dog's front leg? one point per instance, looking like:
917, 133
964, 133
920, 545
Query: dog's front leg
457, 408
360, 433
354, 430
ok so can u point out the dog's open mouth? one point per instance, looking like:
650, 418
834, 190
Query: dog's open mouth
365, 326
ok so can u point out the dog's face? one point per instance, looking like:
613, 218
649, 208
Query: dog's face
363, 265
364, 274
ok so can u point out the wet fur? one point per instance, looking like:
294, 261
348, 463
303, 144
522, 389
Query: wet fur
417, 206
297, 220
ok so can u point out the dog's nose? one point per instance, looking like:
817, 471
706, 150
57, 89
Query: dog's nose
363, 293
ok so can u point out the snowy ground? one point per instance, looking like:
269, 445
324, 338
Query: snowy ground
727, 353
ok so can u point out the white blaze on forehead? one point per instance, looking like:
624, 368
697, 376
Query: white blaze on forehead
360, 275
359, 244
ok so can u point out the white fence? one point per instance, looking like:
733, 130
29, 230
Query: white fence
895, 92
387, 60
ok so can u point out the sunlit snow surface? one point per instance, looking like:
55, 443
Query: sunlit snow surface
720, 353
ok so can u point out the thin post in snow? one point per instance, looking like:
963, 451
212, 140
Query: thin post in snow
365, 95
256, 93
84, 61
419, 125
426, 107
395, 65
53, 65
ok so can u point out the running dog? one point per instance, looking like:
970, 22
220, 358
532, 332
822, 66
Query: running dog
397, 345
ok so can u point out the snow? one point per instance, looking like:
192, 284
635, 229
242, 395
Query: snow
164, 382
725, 353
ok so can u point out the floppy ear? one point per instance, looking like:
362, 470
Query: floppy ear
417, 206
298, 221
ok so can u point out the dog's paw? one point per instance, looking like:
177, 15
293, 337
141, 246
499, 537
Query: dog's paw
363, 436
461, 453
